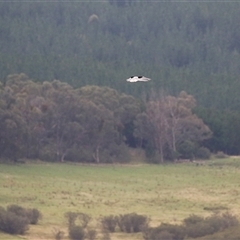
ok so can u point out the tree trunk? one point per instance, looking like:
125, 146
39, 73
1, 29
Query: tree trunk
96, 155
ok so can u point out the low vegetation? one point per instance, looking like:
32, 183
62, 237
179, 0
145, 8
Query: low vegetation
122, 201
193, 226
15, 219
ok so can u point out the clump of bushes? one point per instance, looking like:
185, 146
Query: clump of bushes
31, 214
128, 223
165, 232
203, 153
132, 222
192, 227
221, 154
78, 226
109, 223
15, 219
199, 227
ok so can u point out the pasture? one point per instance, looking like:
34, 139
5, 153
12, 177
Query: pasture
165, 193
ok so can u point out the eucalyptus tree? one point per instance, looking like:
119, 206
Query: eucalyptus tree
169, 121
13, 127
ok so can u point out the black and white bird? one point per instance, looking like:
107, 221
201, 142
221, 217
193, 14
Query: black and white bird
138, 79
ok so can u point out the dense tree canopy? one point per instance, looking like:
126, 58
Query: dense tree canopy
168, 122
192, 47
55, 122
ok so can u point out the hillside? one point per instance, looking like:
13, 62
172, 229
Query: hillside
189, 46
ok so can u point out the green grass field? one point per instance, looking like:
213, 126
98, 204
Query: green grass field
165, 193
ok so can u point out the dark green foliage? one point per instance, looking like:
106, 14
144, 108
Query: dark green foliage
91, 234
225, 127
77, 226
58, 234
165, 231
196, 45
82, 218
198, 227
109, 223
232, 233
32, 215
193, 227
13, 223
76, 232
132, 222
54, 122
187, 150
203, 153
221, 154
193, 219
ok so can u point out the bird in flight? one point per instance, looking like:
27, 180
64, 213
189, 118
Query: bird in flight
138, 79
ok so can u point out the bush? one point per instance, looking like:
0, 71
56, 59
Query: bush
220, 222
18, 210
132, 222
221, 154
154, 234
58, 234
84, 154
165, 231
187, 149
81, 217
193, 227
193, 219
203, 153
76, 232
12, 223
109, 223
32, 215
79, 232
91, 234
199, 227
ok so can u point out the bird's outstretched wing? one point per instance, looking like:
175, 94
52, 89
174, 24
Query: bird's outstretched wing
138, 79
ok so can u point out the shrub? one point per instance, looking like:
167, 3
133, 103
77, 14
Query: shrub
71, 217
154, 234
109, 223
12, 223
58, 234
187, 149
221, 154
81, 217
192, 219
203, 153
199, 227
79, 232
165, 231
220, 222
91, 234
32, 215
132, 222
18, 210
199, 230
76, 232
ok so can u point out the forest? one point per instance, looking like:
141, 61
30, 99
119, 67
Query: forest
63, 67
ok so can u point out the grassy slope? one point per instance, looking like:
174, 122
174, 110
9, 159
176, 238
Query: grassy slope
166, 193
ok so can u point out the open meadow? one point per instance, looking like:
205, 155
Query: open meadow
166, 193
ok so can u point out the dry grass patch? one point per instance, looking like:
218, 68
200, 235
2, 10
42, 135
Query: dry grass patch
165, 193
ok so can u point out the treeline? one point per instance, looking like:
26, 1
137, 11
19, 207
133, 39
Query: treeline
190, 46
53, 121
